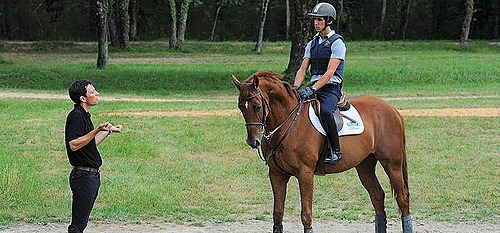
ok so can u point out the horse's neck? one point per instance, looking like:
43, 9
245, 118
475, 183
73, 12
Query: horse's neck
279, 111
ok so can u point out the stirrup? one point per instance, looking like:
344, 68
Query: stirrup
334, 157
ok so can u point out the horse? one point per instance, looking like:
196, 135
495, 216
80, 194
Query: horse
277, 122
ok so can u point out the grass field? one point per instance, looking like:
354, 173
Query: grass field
199, 169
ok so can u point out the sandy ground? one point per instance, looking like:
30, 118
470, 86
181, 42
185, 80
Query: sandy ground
254, 226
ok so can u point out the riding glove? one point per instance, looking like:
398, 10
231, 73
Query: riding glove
307, 92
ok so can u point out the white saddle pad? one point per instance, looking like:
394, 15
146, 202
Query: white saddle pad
349, 127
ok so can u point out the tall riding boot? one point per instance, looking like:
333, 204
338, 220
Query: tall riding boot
335, 156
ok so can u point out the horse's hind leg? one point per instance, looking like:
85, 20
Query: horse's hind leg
366, 173
278, 183
397, 172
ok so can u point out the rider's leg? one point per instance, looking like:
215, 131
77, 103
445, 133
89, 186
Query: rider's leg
328, 97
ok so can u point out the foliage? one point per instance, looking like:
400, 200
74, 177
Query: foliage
359, 20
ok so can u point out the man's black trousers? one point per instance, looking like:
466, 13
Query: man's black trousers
85, 187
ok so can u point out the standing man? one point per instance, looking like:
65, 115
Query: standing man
82, 140
325, 54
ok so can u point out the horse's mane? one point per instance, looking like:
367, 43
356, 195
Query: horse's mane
273, 78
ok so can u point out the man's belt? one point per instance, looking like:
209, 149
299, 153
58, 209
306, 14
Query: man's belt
87, 169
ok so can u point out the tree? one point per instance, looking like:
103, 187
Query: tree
301, 25
382, 19
132, 11
220, 4
258, 46
122, 22
178, 18
403, 14
102, 57
469, 11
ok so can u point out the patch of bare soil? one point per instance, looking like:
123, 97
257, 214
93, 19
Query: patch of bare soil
482, 112
254, 226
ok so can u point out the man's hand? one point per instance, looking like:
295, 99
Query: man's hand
105, 126
116, 129
306, 93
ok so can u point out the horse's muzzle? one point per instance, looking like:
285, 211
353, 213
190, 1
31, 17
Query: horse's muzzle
254, 138
254, 143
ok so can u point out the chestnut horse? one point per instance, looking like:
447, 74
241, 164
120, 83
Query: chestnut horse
291, 146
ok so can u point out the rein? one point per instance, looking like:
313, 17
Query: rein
269, 136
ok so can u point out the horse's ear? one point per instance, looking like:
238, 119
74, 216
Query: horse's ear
236, 82
256, 81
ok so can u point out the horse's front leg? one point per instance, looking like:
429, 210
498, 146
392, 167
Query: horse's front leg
279, 184
306, 186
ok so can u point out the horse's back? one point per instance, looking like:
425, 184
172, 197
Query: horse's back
372, 106
384, 126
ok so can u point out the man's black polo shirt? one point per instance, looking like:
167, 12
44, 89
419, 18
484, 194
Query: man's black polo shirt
78, 123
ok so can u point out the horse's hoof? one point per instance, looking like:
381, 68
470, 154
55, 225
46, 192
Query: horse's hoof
278, 229
380, 223
407, 224
308, 230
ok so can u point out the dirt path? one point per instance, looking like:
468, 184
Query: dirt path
254, 226
405, 112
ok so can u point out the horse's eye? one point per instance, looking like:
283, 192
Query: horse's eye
257, 107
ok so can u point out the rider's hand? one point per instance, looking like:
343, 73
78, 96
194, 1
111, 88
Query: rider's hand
306, 93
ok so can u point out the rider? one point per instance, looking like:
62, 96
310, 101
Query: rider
325, 53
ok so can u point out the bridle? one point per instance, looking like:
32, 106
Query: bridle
264, 106
266, 110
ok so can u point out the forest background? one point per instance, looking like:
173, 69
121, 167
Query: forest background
222, 20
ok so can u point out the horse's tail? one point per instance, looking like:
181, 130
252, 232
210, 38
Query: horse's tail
405, 170
404, 164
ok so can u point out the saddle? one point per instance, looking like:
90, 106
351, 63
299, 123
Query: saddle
347, 119
346, 116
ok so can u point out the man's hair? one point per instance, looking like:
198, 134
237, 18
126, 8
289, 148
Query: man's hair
77, 89
328, 21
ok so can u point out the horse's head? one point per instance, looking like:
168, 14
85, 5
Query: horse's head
253, 106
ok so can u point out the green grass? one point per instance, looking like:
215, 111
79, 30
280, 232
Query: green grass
197, 169
203, 68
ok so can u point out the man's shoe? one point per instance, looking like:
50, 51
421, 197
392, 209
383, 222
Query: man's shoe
334, 157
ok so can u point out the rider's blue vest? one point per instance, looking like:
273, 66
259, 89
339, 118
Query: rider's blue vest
320, 56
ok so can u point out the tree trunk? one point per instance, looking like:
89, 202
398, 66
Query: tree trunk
178, 19
287, 19
172, 41
301, 25
132, 11
405, 14
112, 30
122, 20
469, 11
258, 46
219, 7
382, 19
339, 13
181, 22
102, 57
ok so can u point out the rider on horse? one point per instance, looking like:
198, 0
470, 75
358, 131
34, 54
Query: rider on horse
325, 54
